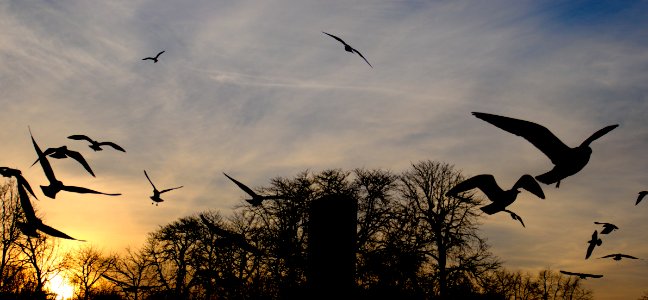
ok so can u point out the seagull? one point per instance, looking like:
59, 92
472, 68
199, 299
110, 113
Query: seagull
500, 198
33, 223
619, 256
347, 47
581, 275
64, 152
256, 198
94, 145
20, 180
55, 185
607, 227
642, 194
595, 241
154, 59
156, 193
515, 217
568, 161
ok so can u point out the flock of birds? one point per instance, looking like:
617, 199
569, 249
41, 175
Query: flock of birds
34, 225
567, 162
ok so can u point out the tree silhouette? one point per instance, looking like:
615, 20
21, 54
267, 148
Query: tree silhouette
443, 229
85, 268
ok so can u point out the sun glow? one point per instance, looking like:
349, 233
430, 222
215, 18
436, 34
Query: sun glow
61, 287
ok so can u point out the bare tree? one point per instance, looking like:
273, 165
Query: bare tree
133, 274
85, 268
10, 263
444, 228
42, 255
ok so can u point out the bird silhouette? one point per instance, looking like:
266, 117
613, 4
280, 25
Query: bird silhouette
20, 180
56, 185
256, 198
595, 241
499, 197
348, 48
642, 194
64, 152
619, 256
568, 161
34, 224
156, 193
515, 217
154, 59
94, 145
581, 275
607, 227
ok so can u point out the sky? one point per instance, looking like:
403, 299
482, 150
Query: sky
256, 90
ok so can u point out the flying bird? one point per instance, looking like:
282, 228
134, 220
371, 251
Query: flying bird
94, 145
56, 185
642, 194
154, 59
20, 180
581, 275
34, 224
156, 193
499, 197
256, 198
64, 152
607, 227
595, 241
515, 217
568, 161
619, 256
348, 48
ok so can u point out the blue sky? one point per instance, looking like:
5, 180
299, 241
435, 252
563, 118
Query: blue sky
257, 91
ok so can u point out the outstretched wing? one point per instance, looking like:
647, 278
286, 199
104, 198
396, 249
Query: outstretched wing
22, 182
358, 52
485, 182
628, 256
335, 37
158, 55
642, 194
47, 167
81, 137
78, 157
82, 190
55, 232
171, 189
149, 180
111, 144
598, 134
243, 187
26, 206
570, 273
537, 134
529, 183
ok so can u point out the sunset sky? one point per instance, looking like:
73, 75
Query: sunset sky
256, 90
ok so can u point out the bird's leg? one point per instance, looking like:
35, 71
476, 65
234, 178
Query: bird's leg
558, 184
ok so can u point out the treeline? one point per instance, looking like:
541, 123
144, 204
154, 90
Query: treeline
412, 242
